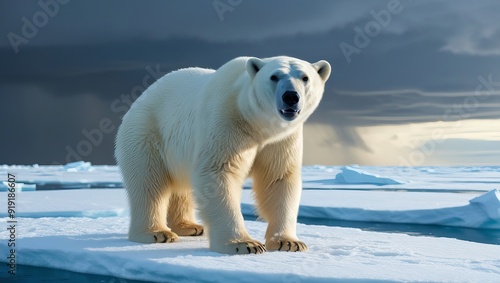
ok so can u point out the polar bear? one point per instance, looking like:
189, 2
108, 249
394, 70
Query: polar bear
200, 133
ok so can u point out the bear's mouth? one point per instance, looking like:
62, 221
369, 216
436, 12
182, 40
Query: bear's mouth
289, 114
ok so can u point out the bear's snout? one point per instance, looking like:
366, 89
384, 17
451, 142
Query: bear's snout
290, 98
289, 107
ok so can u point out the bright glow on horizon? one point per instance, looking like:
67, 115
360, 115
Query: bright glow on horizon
466, 142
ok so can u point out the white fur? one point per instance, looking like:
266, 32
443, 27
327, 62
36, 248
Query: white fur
204, 131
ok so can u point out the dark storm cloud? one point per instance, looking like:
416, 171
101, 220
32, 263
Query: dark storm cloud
460, 26
351, 108
97, 22
90, 54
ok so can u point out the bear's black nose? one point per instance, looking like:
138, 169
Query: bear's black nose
290, 98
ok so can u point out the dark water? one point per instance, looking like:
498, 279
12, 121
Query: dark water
30, 274
484, 236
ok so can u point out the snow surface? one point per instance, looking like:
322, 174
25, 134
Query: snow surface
83, 228
100, 246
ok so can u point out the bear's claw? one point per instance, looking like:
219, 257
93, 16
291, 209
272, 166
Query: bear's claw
249, 247
285, 245
196, 232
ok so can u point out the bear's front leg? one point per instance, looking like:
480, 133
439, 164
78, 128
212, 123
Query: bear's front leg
278, 203
277, 185
218, 194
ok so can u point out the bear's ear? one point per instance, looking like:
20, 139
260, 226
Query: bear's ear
254, 65
323, 68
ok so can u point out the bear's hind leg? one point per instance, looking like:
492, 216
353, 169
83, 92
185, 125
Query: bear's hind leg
148, 189
148, 217
180, 216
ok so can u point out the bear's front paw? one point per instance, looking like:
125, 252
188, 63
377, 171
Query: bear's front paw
285, 245
165, 237
248, 247
188, 229
239, 247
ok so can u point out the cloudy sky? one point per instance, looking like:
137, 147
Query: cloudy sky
413, 82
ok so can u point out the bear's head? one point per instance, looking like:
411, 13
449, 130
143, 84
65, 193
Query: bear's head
288, 88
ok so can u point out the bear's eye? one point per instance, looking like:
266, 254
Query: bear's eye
274, 78
305, 78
